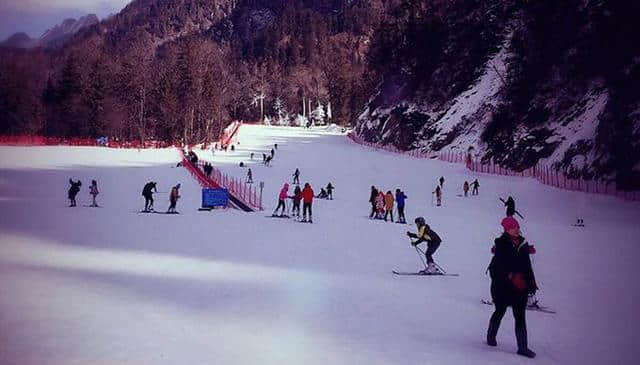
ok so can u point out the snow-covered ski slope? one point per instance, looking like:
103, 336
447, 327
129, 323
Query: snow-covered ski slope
111, 286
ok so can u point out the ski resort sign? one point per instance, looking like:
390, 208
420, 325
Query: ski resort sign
212, 198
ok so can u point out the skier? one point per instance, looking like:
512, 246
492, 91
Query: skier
281, 198
465, 187
475, 185
330, 191
512, 280
438, 193
268, 160
297, 197
511, 206
400, 198
272, 153
251, 156
426, 234
372, 200
249, 177
73, 191
441, 182
379, 205
173, 199
296, 177
264, 159
307, 196
275, 146
323, 194
147, 193
388, 205
93, 190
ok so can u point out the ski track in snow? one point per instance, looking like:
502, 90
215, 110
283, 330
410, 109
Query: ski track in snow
110, 286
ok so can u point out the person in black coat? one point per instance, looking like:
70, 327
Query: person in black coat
512, 280
372, 200
147, 193
73, 191
511, 207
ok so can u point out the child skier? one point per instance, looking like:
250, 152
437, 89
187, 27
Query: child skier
330, 191
426, 234
372, 200
147, 193
400, 198
297, 197
281, 198
173, 198
388, 205
380, 205
307, 196
296, 177
73, 191
93, 191
323, 194
438, 193
512, 281
511, 207
465, 187
249, 177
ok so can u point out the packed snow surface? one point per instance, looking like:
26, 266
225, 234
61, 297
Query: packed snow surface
111, 286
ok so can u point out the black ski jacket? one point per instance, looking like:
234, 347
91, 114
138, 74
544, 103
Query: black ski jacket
147, 189
508, 262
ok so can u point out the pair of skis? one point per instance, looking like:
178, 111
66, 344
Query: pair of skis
532, 307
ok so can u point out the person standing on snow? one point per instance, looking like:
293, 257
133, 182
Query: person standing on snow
74, 189
438, 193
465, 188
297, 197
93, 191
147, 193
511, 206
380, 205
173, 198
307, 197
330, 191
475, 184
249, 177
296, 177
512, 281
388, 205
426, 234
400, 198
281, 198
372, 200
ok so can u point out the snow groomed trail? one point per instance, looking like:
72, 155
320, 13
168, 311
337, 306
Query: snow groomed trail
111, 286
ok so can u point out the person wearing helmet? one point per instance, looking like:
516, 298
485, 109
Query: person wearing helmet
426, 234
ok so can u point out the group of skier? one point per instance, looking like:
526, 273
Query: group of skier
74, 189
151, 187
304, 195
382, 204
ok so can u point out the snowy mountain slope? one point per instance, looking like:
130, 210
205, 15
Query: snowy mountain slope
108, 285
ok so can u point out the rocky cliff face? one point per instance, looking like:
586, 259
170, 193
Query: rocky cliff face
517, 82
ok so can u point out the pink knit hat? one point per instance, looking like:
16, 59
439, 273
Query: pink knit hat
509, 223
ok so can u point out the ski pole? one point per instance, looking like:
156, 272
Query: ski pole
420, 254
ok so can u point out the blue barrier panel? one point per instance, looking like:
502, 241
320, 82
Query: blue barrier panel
212, 198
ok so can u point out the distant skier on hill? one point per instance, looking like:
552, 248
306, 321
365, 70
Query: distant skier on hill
426, 234
511, 206
249, 177
147, 193
307, 196
512, 281
475, 184
93, 191
438, 193
400, 200
173, 198
74, 189
323, 194
296, 177
330, 189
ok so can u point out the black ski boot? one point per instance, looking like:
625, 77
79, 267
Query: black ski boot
492, 332
523, 349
